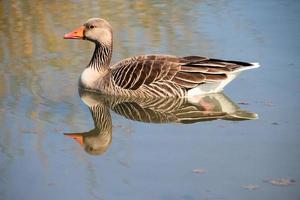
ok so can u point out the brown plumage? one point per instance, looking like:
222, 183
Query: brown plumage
150, 75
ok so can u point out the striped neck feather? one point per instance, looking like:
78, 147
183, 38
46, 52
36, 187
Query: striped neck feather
98, 66
101, 58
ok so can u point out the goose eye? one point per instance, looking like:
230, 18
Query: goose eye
92, 26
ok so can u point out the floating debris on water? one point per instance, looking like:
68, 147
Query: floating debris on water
250, 187
243, 103
200, 170
281, 181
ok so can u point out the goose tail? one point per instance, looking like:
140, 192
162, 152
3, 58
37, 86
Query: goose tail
248, 66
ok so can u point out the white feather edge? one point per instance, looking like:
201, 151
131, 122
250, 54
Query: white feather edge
252, 66
218, 86
255, 64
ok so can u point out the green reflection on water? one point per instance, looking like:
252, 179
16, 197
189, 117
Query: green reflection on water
39, 70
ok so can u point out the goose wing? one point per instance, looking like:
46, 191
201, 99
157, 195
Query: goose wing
187, 72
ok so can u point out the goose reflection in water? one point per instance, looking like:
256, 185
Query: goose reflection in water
164, 110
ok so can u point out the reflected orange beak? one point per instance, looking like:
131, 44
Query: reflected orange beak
77, 137
76, 34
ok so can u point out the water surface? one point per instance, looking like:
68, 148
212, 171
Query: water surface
40, 102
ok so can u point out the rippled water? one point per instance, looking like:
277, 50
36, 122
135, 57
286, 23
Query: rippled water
215, 159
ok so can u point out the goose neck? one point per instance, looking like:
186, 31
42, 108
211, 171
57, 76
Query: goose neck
101, 57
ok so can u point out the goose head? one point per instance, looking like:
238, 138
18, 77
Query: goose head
96, 30
94, 142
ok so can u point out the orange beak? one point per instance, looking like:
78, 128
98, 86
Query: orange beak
76, 34
77, 137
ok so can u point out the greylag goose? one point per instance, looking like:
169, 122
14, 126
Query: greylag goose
164, 110
150, 75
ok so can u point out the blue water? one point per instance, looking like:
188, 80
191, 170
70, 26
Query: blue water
40, 102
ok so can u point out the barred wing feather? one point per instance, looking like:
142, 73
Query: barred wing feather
187, 72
